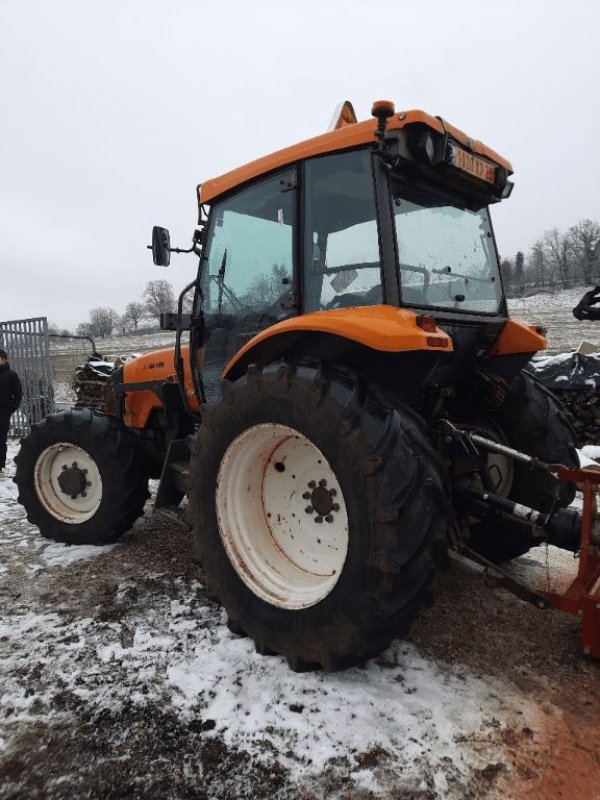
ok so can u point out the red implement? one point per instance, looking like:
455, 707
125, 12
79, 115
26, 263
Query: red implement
583, 595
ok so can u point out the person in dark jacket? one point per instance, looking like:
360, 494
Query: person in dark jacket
10, 399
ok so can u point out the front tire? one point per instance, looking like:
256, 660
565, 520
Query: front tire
319, 515
79, 478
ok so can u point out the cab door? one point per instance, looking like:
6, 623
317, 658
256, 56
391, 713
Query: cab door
248, 278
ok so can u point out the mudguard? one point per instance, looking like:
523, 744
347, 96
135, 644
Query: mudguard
383, 328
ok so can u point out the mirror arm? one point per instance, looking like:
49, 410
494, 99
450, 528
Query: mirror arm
192, 249
181, 250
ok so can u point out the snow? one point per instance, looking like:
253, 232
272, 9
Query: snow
555, 312
561, 299
591, 452
411, 709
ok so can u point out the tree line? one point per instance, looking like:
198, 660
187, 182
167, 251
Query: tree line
556, 261
158, 297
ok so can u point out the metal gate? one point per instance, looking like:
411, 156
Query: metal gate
27, 343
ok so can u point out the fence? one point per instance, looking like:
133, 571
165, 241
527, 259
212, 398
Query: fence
66, 354
28, 346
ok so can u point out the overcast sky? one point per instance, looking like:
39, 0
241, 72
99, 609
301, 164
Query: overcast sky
111, 112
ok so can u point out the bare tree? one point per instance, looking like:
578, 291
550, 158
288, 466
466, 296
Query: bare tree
507, 272
267, 288
102, 321
584, 240
538, 270
84, 329
132, 315
158, 298
558, 252
519, 277
123, 323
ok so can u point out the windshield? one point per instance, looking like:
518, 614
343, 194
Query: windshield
447, 257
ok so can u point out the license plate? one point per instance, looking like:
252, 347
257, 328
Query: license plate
477, 167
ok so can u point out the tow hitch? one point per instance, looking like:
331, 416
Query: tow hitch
565, 528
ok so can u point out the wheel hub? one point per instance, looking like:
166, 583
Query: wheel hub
73, 481
321, 501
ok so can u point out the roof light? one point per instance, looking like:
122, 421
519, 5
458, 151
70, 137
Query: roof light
382, 110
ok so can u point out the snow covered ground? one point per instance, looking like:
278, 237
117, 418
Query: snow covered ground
555, 312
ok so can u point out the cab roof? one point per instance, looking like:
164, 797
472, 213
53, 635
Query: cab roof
348, 136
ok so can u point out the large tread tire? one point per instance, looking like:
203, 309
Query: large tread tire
124, 479
396, 505
533, 422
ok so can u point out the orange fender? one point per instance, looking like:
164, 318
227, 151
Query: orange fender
385, 328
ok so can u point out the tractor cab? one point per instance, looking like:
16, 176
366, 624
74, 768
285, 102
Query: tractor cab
361, 221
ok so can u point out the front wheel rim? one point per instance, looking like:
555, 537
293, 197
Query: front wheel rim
68, 483
282, 516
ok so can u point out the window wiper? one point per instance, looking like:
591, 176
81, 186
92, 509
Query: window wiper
221, 282
224, 290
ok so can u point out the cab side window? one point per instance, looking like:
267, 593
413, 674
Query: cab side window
246, 283
342, 265
250, 252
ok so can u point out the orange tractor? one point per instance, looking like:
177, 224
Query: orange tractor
351, 401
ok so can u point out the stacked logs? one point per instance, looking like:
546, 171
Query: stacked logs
582, 407
91, 382
575, 379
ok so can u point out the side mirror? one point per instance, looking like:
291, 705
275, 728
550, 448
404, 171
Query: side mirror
161, 246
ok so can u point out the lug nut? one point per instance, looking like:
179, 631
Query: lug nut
89, 483
328, 518
74, 464
64, 466
332, 492
84, 471
84, 494
306, 496
322, 482
335, 507
311, 484
319, 519
309, 509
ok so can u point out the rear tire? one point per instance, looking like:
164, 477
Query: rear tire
374, 560
79, 479
533, 422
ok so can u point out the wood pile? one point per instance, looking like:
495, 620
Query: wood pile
91, 382
575, 379
582, 407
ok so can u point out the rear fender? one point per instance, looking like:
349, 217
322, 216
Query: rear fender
384, 329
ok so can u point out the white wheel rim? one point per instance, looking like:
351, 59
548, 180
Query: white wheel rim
68, 483
282, 516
